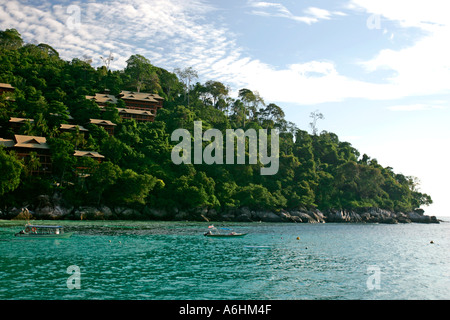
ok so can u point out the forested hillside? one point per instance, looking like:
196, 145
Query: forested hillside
317, 170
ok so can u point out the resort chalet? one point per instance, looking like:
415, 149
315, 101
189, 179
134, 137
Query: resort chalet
106, 124
140, 106
103, 98
90, 154
141, 100
25, 146
5, 88
83, 171
72, 127
17, 123
137, 115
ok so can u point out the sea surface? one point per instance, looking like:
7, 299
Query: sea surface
136, 260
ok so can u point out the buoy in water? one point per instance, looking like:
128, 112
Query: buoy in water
298, 238
431, 241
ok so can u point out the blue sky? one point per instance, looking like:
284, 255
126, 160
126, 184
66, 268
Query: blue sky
378, 70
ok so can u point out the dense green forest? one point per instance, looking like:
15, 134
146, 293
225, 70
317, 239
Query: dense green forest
317, 170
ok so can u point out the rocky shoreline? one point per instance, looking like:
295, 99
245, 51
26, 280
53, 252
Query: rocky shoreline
47, 208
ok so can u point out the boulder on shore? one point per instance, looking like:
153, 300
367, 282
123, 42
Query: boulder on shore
46, 207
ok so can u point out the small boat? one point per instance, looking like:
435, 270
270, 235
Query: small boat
217, 234
224, 235
43, 232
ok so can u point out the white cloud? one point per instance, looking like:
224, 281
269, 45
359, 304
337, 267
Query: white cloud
270, 9
318, 13
409, 13
277, 10
176, 25
415, 107
311, 82
423, 67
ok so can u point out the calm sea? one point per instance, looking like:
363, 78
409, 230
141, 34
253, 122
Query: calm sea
173, 260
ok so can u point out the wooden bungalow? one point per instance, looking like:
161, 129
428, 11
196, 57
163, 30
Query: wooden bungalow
7, 143
139, 106
6, 88
17, 123
103, 98
137, 115
90, 154
72, 127
83, 171
26, 145
106, 124
141, 100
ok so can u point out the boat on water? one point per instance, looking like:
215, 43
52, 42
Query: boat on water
215, 233
43, 232
224, 235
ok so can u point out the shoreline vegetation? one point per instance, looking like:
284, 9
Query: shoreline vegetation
92, 160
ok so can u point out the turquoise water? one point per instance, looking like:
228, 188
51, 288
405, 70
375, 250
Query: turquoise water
173, 260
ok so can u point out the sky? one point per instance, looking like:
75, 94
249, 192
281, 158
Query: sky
379, 71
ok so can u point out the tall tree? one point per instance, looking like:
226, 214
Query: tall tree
11, 169
169, 83
217, 90
247, 97
251, 100
187, 75
272, 115
316, 115
142, 73
10, 39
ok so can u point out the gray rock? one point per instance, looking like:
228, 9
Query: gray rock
89, 213
181, 215
286, 217
355, 217
338, 216
303, 217
318, 216
106, 211
157, 214
265, 216
417, 217
130, 213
